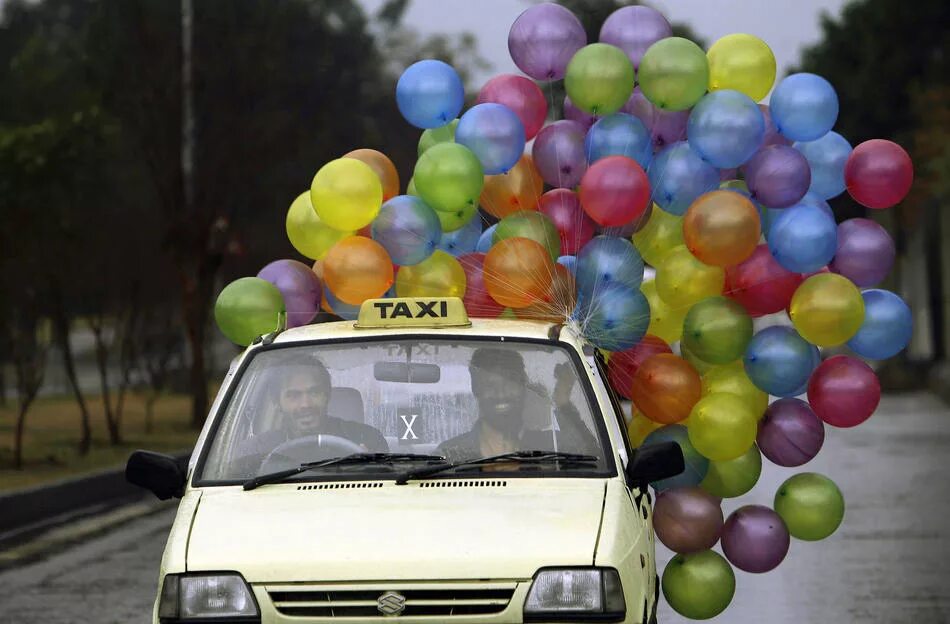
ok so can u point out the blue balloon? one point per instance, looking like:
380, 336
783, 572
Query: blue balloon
678, 176
726, 128
463, 240
570, 262
614, 318
485, 240
803, 238
608, 261
341, 309
887, 328
407, 228
495, 135
826, 157
779, 361
696, 465
619, 135
804, 107
430, 94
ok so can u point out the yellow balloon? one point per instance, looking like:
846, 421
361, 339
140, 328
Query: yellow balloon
732, 378
743, 63
722, 427
662, 233
639, 427
682, 280
827, 309
307, 233
439, 275
347, 194
666, 322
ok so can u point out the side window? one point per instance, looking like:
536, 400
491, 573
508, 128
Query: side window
614, 399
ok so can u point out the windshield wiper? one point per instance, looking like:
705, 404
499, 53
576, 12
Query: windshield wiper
523, 457
355, 458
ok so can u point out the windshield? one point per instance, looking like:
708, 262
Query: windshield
459, 399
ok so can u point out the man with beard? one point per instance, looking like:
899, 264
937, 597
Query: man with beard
501, 388
302, 400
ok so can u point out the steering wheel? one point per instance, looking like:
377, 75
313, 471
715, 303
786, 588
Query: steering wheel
294, 452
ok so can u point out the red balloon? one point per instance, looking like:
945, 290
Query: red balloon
761, 284
615, 191
478, 302
623, 365
878, 173
573, 225
844, 391
522, 96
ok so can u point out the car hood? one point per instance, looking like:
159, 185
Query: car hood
436, 529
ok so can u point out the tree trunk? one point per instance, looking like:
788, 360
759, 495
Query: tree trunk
18, 437
102, 365
61, 325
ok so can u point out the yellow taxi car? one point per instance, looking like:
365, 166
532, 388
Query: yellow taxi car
416, 466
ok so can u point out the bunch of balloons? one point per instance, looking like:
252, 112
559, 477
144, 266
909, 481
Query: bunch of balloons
665, 157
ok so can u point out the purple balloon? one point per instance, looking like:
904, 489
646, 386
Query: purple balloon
865, 252
778, 176
687, 519
790, 434
543, 40
299, 286
559, 155
572, 113
726, 175
633, 29
772, 136
755, 539
665, 126
628, 229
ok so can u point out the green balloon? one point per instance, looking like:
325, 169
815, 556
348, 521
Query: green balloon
599, 79
247, 308
530, 224
717, 330
454, 220
699, 586
701, 367
811, 506
411, 188
449, 177
433, 136
735, 477
673, 74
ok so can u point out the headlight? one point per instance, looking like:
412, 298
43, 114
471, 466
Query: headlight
200, 596
575, 593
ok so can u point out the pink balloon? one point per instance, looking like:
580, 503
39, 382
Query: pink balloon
761, 284
878, 173
477, 301
615, 191
558, 154
665, 127
520, 95
573, 225
844, 391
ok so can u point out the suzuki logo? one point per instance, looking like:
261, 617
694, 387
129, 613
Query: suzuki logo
391, 603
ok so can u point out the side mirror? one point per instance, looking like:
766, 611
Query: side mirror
164, 476
655, 462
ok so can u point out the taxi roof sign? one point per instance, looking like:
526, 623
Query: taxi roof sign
409, 312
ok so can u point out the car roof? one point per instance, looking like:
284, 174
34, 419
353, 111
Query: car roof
480, 327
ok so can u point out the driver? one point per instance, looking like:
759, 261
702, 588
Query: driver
302, 401
500, 385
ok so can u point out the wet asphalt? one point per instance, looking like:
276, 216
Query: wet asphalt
888, 563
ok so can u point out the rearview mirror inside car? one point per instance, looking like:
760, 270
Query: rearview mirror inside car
655, 462
403, 372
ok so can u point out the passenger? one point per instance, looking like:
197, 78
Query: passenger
302, 403
500, 385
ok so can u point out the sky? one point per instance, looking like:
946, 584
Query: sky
786, 25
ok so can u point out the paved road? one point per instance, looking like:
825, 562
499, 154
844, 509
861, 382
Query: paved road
889, 563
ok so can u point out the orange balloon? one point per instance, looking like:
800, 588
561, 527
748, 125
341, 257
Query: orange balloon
559, 301
722, 228
518, 272
383, 167
665, 388
356, 269
519, 189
